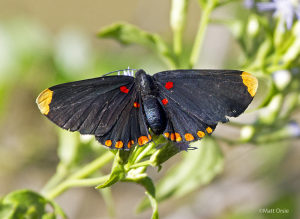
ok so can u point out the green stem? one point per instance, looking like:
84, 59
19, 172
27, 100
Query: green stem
87, 170
144, 152
73, 183
93, 166
207, 10
141, 164
60, 174
177, 42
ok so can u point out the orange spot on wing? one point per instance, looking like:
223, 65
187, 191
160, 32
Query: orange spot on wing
177, 137
43, 101
130, 143
124, 89
209, 130
108, 143
189, 137
119, 144
172, 137
200, 134
142, 140
164, 101
169, 85
167, 134
250, 82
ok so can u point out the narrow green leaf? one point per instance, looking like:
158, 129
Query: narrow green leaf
197, 168
129, 34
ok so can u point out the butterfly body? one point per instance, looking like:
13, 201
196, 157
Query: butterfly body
120, 111
154, 113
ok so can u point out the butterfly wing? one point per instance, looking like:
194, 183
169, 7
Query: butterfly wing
196, 100
94, 106
129, 129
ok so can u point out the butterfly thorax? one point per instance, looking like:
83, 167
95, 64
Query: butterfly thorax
154, 113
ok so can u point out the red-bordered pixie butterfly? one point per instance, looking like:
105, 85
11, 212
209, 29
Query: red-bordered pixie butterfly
120, 110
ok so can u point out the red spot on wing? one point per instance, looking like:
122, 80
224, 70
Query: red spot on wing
136, 105
164, 101
169, 85
124, 89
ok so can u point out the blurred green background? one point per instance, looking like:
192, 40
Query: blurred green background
43, 43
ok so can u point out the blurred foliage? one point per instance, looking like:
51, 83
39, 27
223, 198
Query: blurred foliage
30, 57
28, 204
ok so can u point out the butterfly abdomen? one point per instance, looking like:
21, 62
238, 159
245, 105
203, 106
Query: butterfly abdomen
154, 113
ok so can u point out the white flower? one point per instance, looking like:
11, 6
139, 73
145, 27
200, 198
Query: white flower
285, 10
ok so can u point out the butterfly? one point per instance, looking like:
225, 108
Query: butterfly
122, 110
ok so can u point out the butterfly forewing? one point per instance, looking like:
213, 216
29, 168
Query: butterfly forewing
101, 106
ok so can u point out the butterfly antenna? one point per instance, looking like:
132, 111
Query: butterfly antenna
126, 72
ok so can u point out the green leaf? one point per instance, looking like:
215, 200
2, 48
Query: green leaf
117, 173
197, 168
27, 204
129, 34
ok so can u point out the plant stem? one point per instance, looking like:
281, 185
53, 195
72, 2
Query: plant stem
74, 179
60, 174
207, 10
141, 164
144, 152
75, 182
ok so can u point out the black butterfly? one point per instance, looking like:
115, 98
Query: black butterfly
183, 105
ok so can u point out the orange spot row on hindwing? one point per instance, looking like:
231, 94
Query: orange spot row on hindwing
173, 136
188, 136
124, 89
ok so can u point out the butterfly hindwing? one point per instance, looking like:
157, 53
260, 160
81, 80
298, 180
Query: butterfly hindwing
196, 100
130, 129
182, 126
